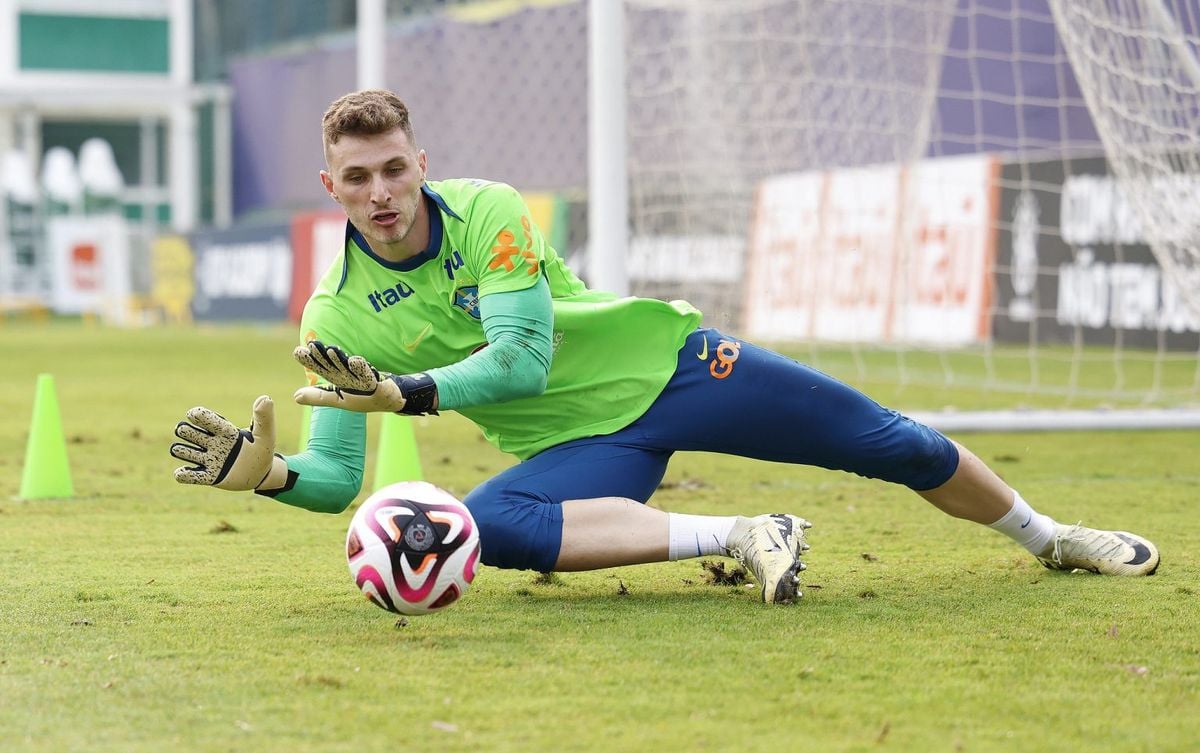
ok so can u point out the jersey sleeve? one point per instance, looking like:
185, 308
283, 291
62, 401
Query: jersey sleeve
329, 473
516, 362
504, 248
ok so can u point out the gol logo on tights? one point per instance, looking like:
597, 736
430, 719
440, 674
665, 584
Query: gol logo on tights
725, 354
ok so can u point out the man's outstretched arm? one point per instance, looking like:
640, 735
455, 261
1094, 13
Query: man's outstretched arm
324, 478
519, 327
515, 364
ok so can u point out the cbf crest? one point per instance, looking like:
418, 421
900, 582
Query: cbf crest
467, 299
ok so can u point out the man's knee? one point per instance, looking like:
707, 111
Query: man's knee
925, 458
517, 530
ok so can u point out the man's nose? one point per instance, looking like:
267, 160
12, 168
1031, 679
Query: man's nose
380, 193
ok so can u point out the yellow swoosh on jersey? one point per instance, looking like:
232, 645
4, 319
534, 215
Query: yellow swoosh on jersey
412, 345
704, 353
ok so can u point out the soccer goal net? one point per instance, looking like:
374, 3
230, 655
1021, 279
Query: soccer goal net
998, 200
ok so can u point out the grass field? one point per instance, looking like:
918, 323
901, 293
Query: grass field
142, 615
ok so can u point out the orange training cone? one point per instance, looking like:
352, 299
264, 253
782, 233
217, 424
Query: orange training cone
397, 458
47, 473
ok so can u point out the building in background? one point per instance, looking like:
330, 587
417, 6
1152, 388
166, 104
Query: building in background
121, 72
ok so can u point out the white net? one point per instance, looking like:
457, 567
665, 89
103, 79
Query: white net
1137, 63
723, 95
998, 199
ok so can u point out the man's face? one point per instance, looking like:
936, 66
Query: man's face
377, 180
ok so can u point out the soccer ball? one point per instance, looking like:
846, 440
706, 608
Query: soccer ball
413, 548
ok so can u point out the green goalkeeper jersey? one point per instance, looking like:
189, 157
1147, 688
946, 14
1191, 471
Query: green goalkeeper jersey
611, 356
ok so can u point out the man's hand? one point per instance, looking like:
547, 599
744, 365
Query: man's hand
354, 384
224, 456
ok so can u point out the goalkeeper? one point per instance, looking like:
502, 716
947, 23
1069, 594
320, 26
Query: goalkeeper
447, 297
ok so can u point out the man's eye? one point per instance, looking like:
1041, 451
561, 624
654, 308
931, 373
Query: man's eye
356, 179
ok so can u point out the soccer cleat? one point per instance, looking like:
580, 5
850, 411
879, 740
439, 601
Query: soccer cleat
1104, 552
769, 546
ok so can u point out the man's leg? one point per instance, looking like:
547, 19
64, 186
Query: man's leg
760, 404
521, 511
611, 531
977, 494
973, 493
580, 506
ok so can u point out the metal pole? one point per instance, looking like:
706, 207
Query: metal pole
222, 160
372, 36
183, 156
608, 172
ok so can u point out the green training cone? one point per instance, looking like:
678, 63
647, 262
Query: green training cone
47, 473
397, 458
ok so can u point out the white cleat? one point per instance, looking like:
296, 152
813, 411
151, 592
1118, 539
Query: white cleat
1104, 552
769, 546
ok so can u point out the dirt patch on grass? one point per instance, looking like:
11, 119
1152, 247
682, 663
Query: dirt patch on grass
716, 574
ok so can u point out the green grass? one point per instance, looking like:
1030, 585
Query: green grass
142, 615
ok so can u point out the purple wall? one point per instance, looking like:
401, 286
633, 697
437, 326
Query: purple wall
506, 98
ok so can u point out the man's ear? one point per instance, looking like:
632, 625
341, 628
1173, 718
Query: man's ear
327, 181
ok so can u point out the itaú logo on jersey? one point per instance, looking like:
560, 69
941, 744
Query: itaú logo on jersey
389, 297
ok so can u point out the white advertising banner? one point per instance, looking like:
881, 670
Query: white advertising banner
877, 254
944, 295
783, 255
89, 266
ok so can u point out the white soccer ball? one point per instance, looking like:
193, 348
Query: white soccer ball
413, 548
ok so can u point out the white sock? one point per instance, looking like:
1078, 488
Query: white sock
1024, 525
697, 535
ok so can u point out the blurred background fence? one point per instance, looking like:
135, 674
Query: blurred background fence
967, 192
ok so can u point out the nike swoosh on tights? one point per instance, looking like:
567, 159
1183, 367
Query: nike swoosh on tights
1027, 520
704, 353
1141, 552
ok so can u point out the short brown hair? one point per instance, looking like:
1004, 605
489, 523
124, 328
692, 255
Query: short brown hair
369, 112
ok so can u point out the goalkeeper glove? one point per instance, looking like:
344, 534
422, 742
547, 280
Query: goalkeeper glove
224, 456
354, 384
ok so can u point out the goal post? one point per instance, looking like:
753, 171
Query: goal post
1001, 201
